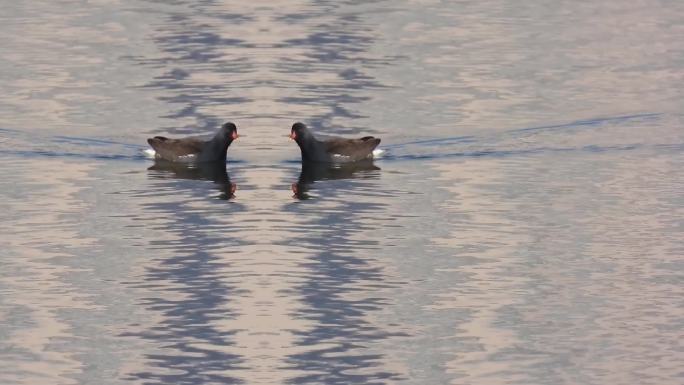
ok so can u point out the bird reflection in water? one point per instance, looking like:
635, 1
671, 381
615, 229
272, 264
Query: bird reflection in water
212, 171
313, 172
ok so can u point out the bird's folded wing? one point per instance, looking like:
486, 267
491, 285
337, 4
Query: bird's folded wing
179, 147
349, 147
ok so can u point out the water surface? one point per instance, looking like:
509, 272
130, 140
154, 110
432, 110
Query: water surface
523, 227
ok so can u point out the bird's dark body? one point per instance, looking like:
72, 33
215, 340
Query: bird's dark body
195, 149
333, 149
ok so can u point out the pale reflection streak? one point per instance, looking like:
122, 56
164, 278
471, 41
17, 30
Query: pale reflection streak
485, 65
64, 74
489, 238
35, 239
267, 269
554, 284
606, 292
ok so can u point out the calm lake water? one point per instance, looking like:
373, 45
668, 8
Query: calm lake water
525, 225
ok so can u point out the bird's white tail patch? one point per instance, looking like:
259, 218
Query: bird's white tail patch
377, 153
149, 153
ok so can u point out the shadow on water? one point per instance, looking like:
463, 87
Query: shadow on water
193, 44
185, 277
336, 47
340, 293
313, 172
190, 301
214, 171
343, 288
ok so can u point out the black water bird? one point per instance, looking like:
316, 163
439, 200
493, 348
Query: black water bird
332, 149
195, 149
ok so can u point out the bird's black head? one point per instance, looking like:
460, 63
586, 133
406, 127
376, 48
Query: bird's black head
299, 131
230, 130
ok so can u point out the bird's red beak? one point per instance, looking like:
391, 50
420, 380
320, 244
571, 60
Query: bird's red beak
293, 136
234, 135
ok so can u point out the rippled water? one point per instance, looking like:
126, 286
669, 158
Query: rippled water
524, 226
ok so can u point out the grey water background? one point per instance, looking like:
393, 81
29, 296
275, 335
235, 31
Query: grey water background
524, 226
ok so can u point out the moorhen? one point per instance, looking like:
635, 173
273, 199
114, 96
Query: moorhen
195, 149
333, 149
